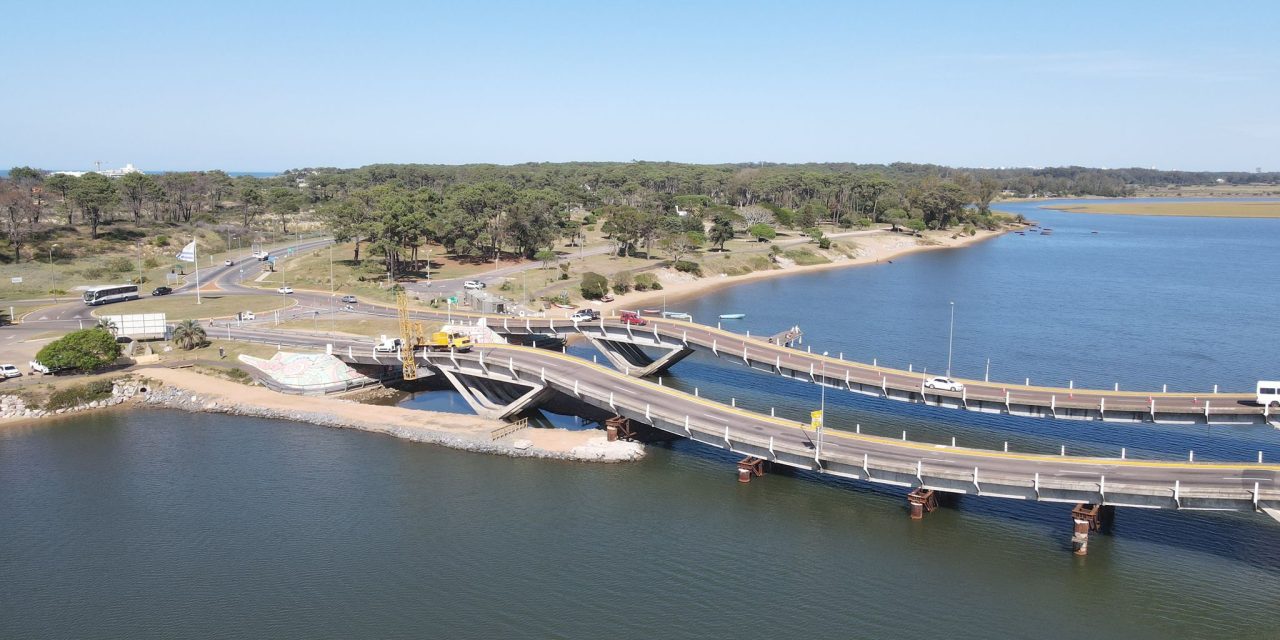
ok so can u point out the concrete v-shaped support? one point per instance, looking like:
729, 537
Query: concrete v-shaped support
631, 359
496, 399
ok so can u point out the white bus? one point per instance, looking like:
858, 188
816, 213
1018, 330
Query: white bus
109, 293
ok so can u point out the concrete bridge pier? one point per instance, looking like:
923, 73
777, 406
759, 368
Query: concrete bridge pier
496, 399
629, 357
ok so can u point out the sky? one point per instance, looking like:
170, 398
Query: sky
265, 86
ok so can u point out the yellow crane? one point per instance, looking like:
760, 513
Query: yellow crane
411, 337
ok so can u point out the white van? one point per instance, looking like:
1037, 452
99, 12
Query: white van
1269, 392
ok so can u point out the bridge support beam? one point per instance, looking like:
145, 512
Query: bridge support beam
1087, 518
496, 399
630, 358
921, 501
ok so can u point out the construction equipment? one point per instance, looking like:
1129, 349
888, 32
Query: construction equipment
411, 337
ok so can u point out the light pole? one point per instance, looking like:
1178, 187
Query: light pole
428, 266
822, 406
951, 338
51, 252
139, 263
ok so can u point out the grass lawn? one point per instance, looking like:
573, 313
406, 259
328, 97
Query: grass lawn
1192, 209
356, 326
184, 307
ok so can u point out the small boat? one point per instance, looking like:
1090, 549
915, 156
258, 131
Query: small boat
606, 298
652, 312
1046, 232
676, 315
563, 306
732, 316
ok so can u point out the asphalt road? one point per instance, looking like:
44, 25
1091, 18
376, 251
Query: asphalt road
673, 405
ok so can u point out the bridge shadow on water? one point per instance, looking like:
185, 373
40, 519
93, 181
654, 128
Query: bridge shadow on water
1246, 538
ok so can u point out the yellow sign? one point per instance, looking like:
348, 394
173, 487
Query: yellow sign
815, 419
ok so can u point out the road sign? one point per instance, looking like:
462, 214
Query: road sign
16, 280
453, 299
815, 419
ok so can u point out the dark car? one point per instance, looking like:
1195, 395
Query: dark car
161, 291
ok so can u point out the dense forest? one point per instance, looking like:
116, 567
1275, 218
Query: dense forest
482, 211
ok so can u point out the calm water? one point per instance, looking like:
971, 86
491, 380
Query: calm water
156, 524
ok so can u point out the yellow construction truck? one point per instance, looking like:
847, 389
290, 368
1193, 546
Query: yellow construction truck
445, 341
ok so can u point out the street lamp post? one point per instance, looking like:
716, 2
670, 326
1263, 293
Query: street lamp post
951, 337
822, 406
428, 266
51, 252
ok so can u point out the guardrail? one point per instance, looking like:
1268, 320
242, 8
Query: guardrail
508, 429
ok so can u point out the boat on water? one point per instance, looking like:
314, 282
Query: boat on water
676, 315
1046, 232
732, 316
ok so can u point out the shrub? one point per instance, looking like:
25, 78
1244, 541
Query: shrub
594, 285
646, 282
94, 273
864, 223
83, 350
622, 282
160, 241
119, 265
150, 263
814, 233
969, 229
687, 266
79, 394
824, 243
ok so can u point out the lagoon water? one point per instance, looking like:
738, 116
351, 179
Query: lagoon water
164, 524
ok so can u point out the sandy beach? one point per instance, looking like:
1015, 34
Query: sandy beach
872, 249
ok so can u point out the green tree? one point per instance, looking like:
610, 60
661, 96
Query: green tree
594, 285
721, 232
533, 221
251, 204
762, 232
545, 256
83, 350
108, 325
94, 194
62, 184
136, 188
188, 335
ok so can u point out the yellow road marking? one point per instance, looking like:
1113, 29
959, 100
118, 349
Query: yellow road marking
918, 446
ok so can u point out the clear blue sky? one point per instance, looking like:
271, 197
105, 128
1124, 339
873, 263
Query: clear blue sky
273, 85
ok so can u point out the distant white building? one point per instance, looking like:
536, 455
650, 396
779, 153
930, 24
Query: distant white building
110, 173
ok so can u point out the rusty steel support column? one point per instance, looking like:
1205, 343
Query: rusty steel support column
750, 466
921, 501
1085, 518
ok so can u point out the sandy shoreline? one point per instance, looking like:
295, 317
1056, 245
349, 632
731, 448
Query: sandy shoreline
191, 391
872, 250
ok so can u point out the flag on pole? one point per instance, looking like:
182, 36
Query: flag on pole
188, 253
